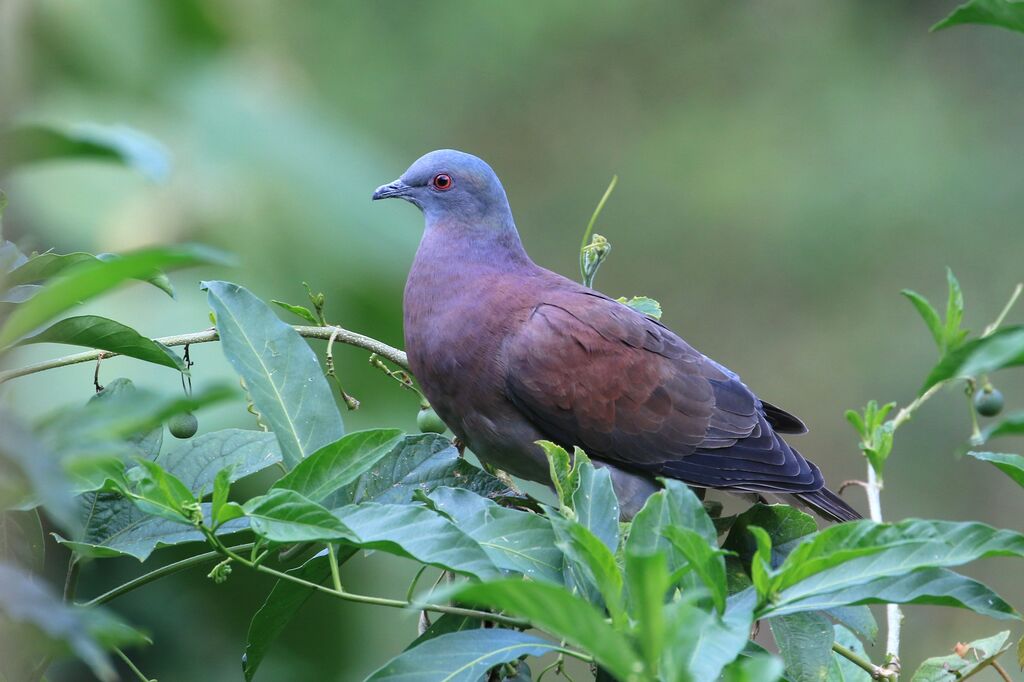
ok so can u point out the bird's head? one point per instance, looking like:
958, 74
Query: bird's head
449, 185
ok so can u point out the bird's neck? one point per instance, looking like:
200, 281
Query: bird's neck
452, 246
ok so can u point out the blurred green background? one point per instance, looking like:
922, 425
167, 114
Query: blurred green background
785, 169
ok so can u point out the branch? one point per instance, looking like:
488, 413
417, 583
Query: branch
343, 335
877, 672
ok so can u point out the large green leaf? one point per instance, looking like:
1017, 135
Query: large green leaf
416, 532
287, 516
783, 523
851, 554
1011, 465
93, 331
197, 460
92, 279
421, 462
759, 667
1004, 348
160, 493
115, 527
86, 632
928, 314
337, 464
935, 586
1006, 13
514, 540
699, 644
281, 372
562, 614
36, 142
976, 655
462, 656
676, 505
805, 642
47, 265
596, 506
648, 579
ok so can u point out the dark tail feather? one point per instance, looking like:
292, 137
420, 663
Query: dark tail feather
829, 505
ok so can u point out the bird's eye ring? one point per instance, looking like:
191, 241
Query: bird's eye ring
442, 182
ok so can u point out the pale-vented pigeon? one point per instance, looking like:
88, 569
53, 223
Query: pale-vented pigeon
509, 353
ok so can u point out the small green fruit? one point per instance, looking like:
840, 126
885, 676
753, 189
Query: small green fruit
183, 425
429, 422
988, 401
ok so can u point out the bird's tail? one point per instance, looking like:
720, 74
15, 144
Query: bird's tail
829, 505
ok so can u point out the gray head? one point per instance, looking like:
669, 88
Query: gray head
452, 186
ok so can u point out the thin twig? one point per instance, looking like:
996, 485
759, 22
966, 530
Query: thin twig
131, 666
1004, 312
876, 671
998, 668
343, 335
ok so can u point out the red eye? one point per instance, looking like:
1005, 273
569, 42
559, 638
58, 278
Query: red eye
442, 182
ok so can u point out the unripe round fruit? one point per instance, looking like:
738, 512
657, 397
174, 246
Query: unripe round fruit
183, 425
429, 422
988, 402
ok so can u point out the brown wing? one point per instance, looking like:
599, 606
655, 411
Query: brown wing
589, 371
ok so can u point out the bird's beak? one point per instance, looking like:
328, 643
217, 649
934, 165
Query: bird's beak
392, 189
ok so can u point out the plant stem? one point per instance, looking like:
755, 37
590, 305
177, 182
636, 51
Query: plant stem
593, 219
364, 598
343, 335
332, 557
131, 666
161, 572
875, 671
1004, 312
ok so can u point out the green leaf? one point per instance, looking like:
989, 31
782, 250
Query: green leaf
287, 516
784, 524
281, 605
21, 540
952, 335
760, 565
462, 656
976, 655
858, 619
160, 493
1012, 425
198, 460
593, 560
760, 667
675, 505
1011, 465
595, 504
805, 642
706, 560
115, 527
221, 489
514, 540
299, 311
421, 462
558, 612
1004, 348
86, 633
93, 331
19, 294
843, 669
643, 304
1005, 13
928, 314
700, 644
565, 476
418, 533
33, 470
89, 280
337, 464
35, 142
648, 579
281, 372
48, 265
934, 586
